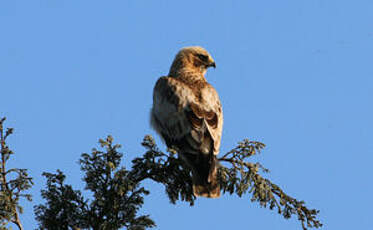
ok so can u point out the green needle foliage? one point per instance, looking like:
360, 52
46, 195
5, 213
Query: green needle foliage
13, 183
117, 194
65, 207
242, 177
166, 169
236, 174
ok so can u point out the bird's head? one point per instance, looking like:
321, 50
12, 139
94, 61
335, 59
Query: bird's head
193, 59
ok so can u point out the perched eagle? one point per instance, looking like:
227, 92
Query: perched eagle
187, 113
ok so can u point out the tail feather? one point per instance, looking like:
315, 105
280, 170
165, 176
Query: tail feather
205, 181
204, 166
207, 190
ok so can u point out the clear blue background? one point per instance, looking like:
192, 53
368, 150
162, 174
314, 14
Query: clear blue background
294, 74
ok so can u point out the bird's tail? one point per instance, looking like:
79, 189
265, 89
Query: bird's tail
205, 181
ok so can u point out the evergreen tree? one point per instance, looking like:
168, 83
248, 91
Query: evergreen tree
117, 192
13, 183
117, 196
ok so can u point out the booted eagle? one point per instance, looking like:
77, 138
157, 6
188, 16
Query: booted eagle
187, 114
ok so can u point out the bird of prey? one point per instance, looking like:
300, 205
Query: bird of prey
187, 114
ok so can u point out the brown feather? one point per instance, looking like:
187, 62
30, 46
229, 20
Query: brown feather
187, 114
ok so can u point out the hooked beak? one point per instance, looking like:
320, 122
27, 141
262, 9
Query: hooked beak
212, 64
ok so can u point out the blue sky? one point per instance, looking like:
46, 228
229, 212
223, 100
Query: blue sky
294, 74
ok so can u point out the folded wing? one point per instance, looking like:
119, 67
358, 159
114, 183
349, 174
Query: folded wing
189, 118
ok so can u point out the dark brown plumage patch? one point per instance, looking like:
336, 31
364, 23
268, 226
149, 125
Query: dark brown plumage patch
212, 119
196, 116
196, 110
196, 122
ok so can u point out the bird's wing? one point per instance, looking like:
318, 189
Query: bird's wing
213, 115
183, 120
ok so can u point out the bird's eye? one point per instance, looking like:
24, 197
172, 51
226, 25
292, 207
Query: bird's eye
203, 58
